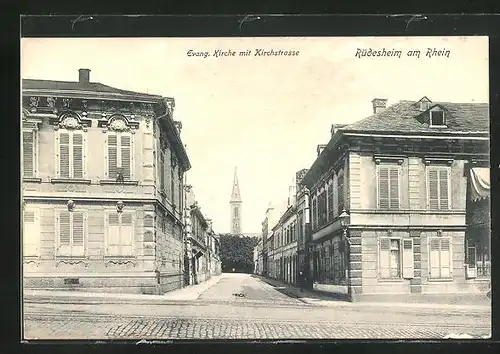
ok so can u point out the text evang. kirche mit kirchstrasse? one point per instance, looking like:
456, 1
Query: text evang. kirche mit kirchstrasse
220, 53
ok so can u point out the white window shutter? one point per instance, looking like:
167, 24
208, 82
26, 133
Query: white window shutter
77, 246
64, 233
408, 268
64, 155
446, 259
112, 156
113, 239
126, 154
433, 192
384, 257
394, 188
30, 235
77, 155
28, 153
443, 189
434, 257
126, 234
383, 188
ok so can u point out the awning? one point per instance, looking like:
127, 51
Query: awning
480, 183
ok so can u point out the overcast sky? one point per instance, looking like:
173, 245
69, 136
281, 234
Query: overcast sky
265, 115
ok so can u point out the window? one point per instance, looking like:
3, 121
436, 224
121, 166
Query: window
161, 171
29, 143
31, 235
438, 188
71, 234
235, 212
424, 105
396, 262
437, 118
120, 155
440, 259
314, 213
340, 191
71, 154
388, 187
120, 234
322, 209
330, 200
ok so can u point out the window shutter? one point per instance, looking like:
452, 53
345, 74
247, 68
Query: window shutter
64, 155
28, 154
340, 188
385, 254
77, 246
433, 189
30, 235
64, 228
113, 235
383, 187
445, 257
443, 189
125, 146
394, 188
126, 234
408, 269
77, 155
112, 156
434, 268
161, 171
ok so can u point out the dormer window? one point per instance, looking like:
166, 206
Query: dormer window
437, 119
423, 104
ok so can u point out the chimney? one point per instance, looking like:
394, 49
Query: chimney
84, 76
378, 104
320, 148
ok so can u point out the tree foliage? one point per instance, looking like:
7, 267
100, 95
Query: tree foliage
237, 253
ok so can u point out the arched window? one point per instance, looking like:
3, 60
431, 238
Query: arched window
236, 212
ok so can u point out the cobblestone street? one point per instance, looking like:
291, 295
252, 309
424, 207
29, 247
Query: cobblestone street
262, 313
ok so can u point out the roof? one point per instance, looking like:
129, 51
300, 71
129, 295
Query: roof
402, 117
89, 89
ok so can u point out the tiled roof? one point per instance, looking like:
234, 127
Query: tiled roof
405, 116
95, 87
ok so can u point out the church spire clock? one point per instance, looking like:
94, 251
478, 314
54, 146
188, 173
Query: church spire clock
235, 206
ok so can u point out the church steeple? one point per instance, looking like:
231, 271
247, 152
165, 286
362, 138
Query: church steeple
235, 206
235, 195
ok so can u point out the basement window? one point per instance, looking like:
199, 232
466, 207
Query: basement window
71, 281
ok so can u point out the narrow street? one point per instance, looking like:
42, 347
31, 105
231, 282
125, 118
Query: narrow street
240, 306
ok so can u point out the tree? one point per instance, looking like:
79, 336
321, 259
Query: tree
237, 253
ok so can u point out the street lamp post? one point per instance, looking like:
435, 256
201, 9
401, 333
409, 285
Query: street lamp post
344, 216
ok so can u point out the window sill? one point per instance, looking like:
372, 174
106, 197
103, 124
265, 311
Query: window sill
32, 179
440, 280
70, 180
114, 182
391, 280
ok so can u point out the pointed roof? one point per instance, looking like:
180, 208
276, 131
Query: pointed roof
235, 195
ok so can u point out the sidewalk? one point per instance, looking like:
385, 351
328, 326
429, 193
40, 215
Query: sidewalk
188, 293
321, 299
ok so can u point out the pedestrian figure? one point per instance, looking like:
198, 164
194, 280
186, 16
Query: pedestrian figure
301, 281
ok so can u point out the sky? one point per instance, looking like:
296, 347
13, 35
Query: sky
264, 115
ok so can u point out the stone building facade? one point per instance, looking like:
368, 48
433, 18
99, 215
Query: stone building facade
402, 178
102, 188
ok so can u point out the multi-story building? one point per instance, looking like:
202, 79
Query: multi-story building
389, 201
102, 191
215, 261
285, 241
303, 223
257, 256
197, 240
